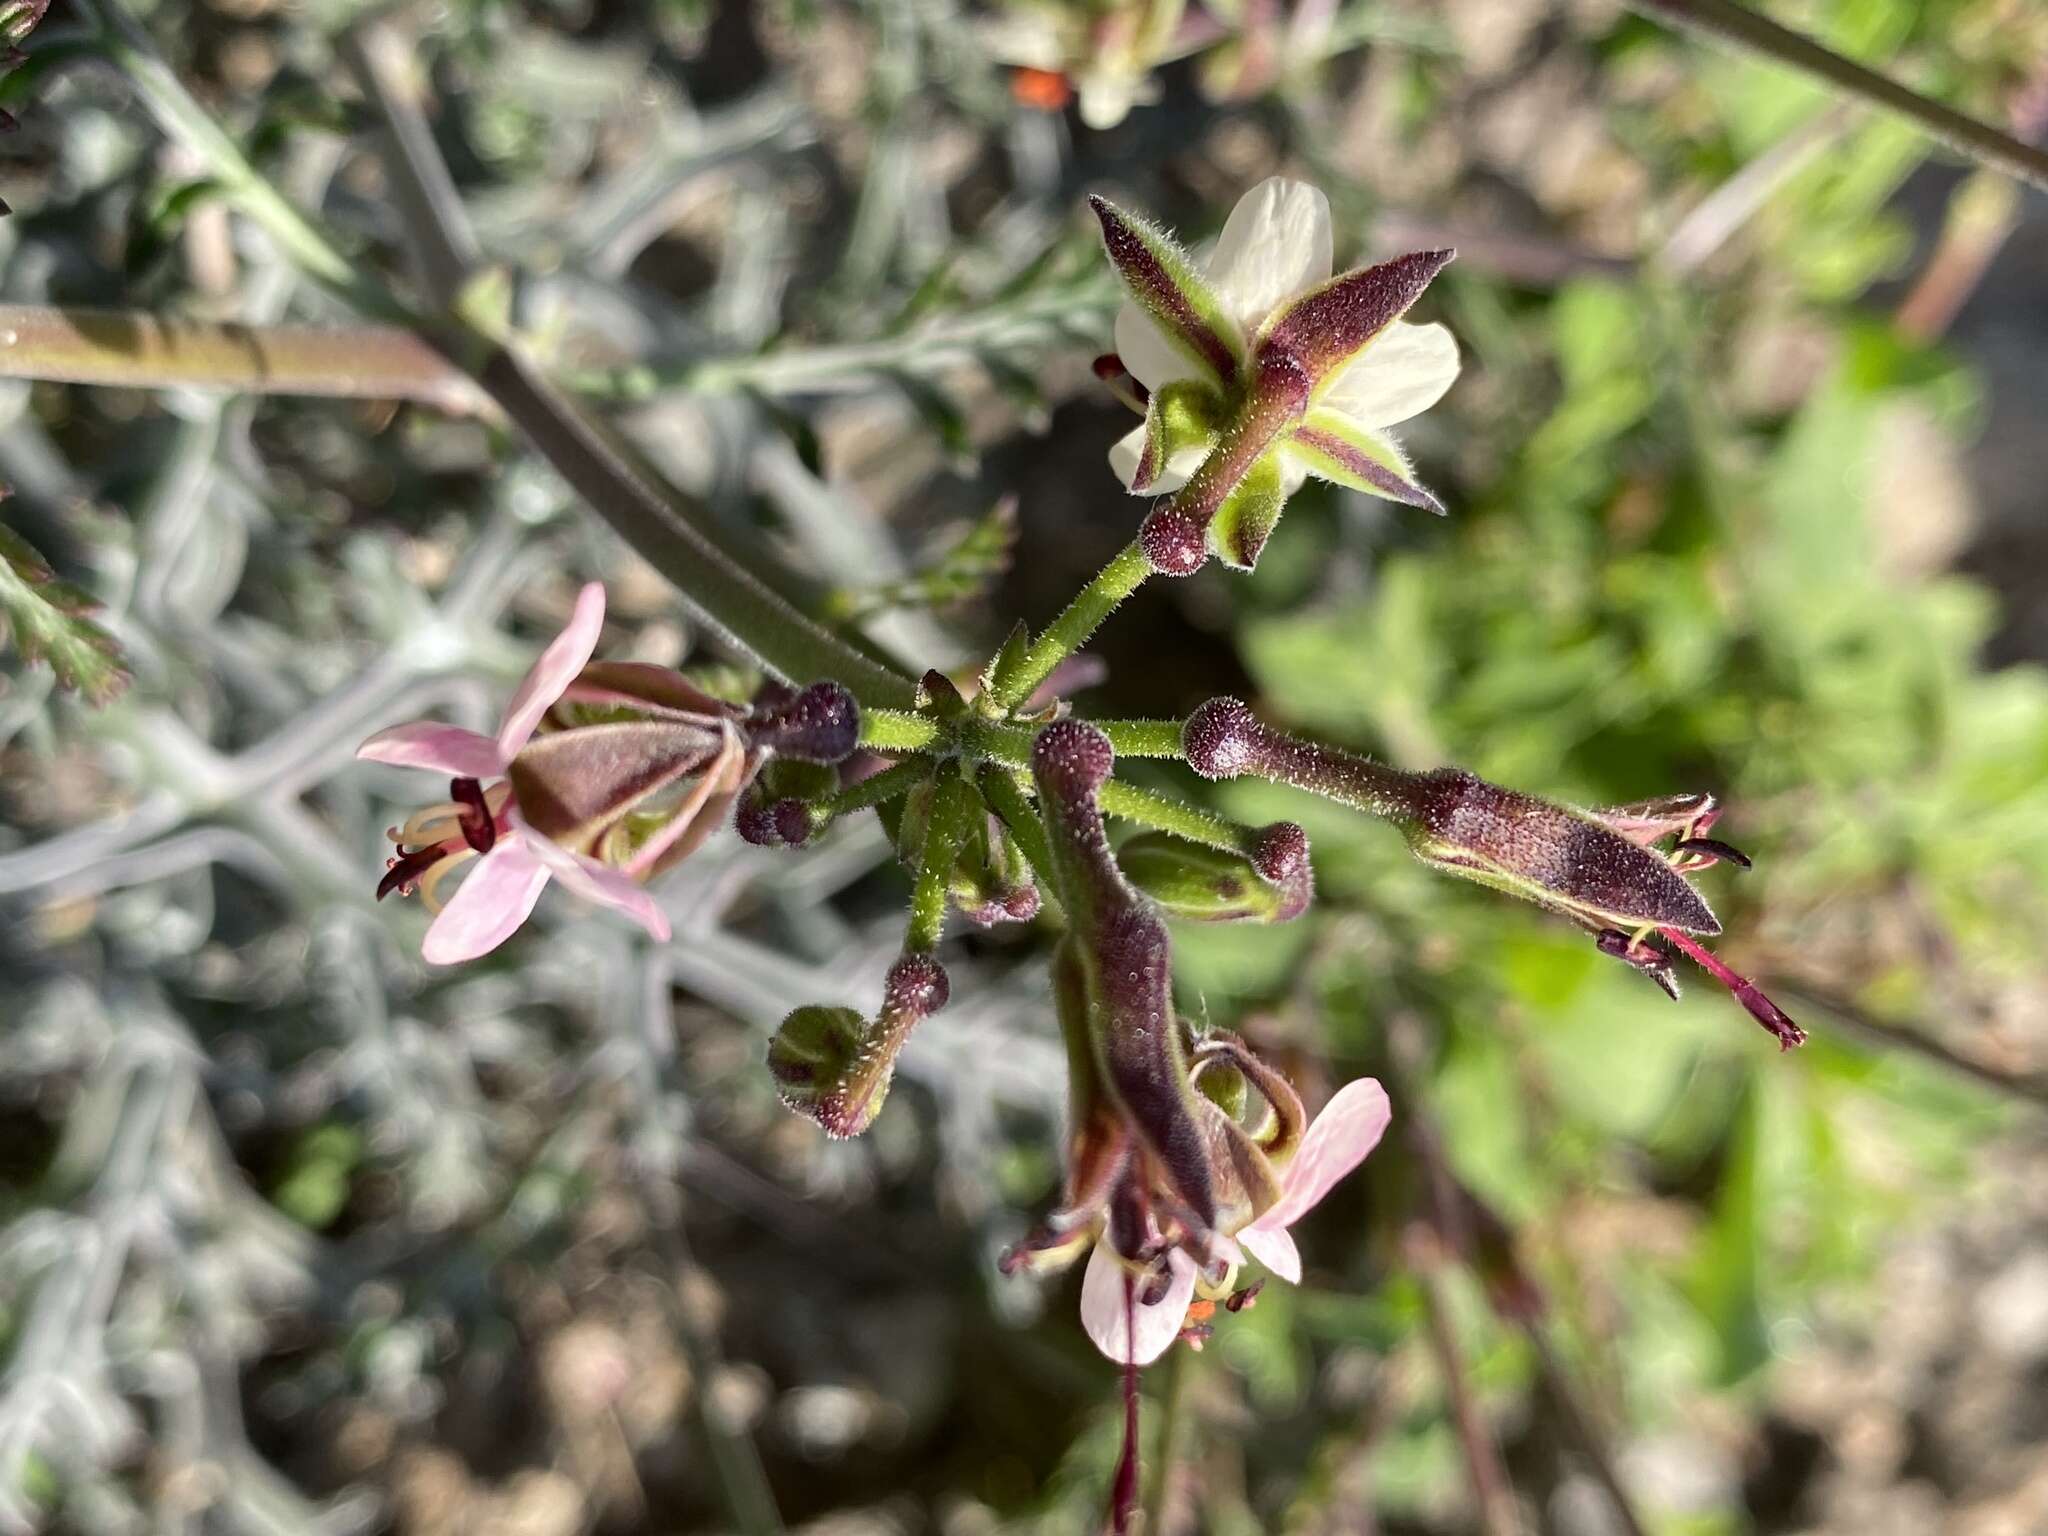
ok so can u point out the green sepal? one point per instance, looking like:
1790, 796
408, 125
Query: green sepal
1250, 511
1332, 446
1182, 414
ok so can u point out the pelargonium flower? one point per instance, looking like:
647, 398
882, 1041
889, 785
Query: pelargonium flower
1162, 1178
1262, 370
1603, 869
1136, 1330
1106, 51
601, 805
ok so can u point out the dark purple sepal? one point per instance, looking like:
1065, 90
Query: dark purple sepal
1327, 327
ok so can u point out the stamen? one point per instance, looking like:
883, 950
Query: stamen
1747, 993
1703, 851
478, 828
431, 824
450, 858
402, 873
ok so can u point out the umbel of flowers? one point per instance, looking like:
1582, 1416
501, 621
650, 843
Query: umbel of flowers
1188, 1158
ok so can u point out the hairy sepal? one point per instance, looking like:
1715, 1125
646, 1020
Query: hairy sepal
1327, 327
1163, 284
1331, 446
1182, 414
1249, 513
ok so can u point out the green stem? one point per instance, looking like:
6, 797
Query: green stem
954, 805
1736, 25
1070, 631
897, 730
726, 597
1003, 790
1127, 802
876, 789
1142, 738
146, 351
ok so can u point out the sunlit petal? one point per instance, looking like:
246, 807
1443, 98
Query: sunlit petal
1336, 1142
445, 749
492, 902
1402, 374
1273, 1247
556, 669
1275, 245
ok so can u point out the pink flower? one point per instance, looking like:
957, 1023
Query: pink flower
513, 861
1137, 1330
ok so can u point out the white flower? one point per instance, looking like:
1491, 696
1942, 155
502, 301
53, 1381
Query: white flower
1245, 306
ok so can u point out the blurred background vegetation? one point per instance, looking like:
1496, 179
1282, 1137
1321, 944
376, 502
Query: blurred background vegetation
1745, 471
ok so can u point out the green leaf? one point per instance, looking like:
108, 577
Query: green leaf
48, 620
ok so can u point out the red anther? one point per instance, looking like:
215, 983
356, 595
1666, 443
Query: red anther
474, 817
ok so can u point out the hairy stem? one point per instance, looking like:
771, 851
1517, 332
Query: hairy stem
897, 730
1128, 802
878, 789
1725, 21
954, 806
1070, 631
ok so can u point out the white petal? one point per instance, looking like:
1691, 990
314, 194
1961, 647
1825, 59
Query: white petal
1275, 245
1146, 353
1274, 1248
1124, 454
1107, 1314
1403, 373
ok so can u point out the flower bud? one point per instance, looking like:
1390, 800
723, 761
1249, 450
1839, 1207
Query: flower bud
834, 1066
1118, 957
821, 724
1209, 885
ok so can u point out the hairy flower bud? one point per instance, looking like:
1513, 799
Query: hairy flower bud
820, 724
834, 1066
1209, 885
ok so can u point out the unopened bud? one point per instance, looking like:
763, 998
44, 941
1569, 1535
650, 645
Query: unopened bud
834, 1066
820, 724
1209, 885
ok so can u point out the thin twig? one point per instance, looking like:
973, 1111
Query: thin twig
1713, 221
1180, 1365
1727, 22
148, 351
1424, 1247
1888, 1035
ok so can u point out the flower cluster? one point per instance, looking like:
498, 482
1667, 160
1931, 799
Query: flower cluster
1187, 1156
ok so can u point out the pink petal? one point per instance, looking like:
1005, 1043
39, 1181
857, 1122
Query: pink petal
494, 900
594, 881
1274, 1248
446, 749
1105, 1315
556, 669
1337, 1141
